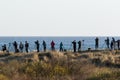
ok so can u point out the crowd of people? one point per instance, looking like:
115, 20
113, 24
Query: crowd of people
113, 44
20, 47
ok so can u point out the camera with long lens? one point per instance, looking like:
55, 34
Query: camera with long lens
105, 41
36, 42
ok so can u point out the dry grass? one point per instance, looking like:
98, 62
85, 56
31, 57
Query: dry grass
102, 65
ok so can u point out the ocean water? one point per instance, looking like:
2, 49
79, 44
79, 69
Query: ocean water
87, 42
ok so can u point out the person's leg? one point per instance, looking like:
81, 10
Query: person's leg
27, 50
45, 49
15, 50
75, 49
37, 49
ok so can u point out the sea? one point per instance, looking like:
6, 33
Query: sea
87, 42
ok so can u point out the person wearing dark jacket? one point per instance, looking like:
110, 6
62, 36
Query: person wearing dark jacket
111, 45
44, 46
107, 42
74, 45
26, 46
15, 46
61, 46
96, 43
118, 44
37, 45
113, 40
4, 48
79, 45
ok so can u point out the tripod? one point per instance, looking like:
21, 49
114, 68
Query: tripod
104, 46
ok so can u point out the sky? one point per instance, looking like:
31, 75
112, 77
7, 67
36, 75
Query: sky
59, 17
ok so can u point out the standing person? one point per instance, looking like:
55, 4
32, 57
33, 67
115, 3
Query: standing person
74, 45
118, 44
15, 46
79, 45
61, 46
4, 48
113, 40
107, 42
52, 45
44, 46
96, 43
21, 46
111, 45
37, 45
26, 46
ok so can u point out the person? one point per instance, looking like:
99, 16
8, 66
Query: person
37, 45
113, 40
74, 45
21, 46
96, 43
107, 42
4, 48
111, 45
118, 44
52, 45
44, 46
79, 45
15, 46
26, 46
61, 46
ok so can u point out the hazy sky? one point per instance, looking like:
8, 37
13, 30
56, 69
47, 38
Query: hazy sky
59, 17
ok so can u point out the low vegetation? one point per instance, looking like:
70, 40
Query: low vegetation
98, 65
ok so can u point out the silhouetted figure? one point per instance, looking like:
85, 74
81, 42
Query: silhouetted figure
111, 45
37, 45
74, 45
52, 45
96, 43
4, 48
15, 46
113, 40
107, 42
118, 44
61, 46
26, 46
44, 46
21, 46
79, 45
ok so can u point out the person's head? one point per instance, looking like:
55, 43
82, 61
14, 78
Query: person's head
25, 41
52, 41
